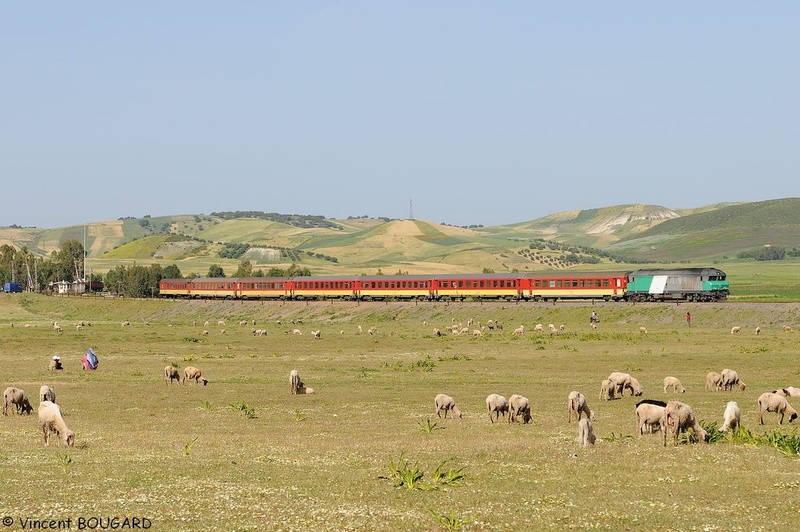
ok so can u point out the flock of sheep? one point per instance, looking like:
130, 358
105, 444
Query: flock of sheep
651, 415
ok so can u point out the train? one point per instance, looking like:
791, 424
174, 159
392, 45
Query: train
685, 284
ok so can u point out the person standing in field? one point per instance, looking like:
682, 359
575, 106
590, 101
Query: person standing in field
688, 319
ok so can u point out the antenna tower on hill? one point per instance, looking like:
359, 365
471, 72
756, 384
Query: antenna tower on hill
411, 209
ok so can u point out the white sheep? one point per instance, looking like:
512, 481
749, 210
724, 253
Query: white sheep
713, 381
372, 331
681, 418
317, 334
294, 382
192, 373
46, 393
732, 417
519, 330
772, 402
576, 403
51, 420
519, 407
730, 378
477, 333
171, 374
786, 328
586, 435
445, 403
636, 388
789, 391
607, 390
221, 323
620, 381
496, 404
303, 390
539, 328
55, 364
675, 384
649, 415
297, 332
736, 330
642, 330
17, 398
758, 331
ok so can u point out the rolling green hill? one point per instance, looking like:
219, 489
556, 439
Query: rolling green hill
361, 245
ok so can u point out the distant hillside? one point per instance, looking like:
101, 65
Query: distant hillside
602, 236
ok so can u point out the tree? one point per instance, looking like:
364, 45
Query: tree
172, 272
215, 271
245, 269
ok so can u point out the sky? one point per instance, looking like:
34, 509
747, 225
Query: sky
458, 112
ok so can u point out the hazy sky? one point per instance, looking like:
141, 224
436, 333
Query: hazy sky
480, 112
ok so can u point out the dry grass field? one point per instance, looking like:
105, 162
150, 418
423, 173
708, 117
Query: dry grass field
243, 454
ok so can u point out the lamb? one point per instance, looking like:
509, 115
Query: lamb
16, 397
713, 381
171, 374
772, 402
607, 389
730, 378
192, 373
586, 435
55, 364
731, 418
519, 406
519, 330
445, 403
675, 384
302, 390
51, 421
789, 391
736, 330
496, 404
576, 402
46, 393
294, 382
681, 418
649, 414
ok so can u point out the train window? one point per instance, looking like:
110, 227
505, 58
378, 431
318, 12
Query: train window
606, 284
574, 283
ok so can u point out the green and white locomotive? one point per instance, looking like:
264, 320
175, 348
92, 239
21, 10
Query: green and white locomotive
688, 284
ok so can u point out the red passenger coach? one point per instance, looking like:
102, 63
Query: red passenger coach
173, 288
324, 287
264, 287
478, 286
214, 287
395, 286
549, 286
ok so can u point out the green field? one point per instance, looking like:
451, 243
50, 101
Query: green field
244, 454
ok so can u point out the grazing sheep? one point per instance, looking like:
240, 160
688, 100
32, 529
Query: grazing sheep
519, 406
586, 435
51, 420
204, 333
607, 390
78, 327
553, 332
635, 388
372, 330
46, 393
221, 323
437, 333
445, 403
730, 379
192, 373
758, 331
675, 384
317, 334
789, 391
205, 324
736, 330
477, 333
55, 364
539, 328
297, 332
496, 404
772, 402
732, 417
681, 418
620, 381
649, 414
576, 402
303, 390
245, 322
171, 374
126, 324
713, 381
642, 330
786, 328
519, 330
294, 382
16, 397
